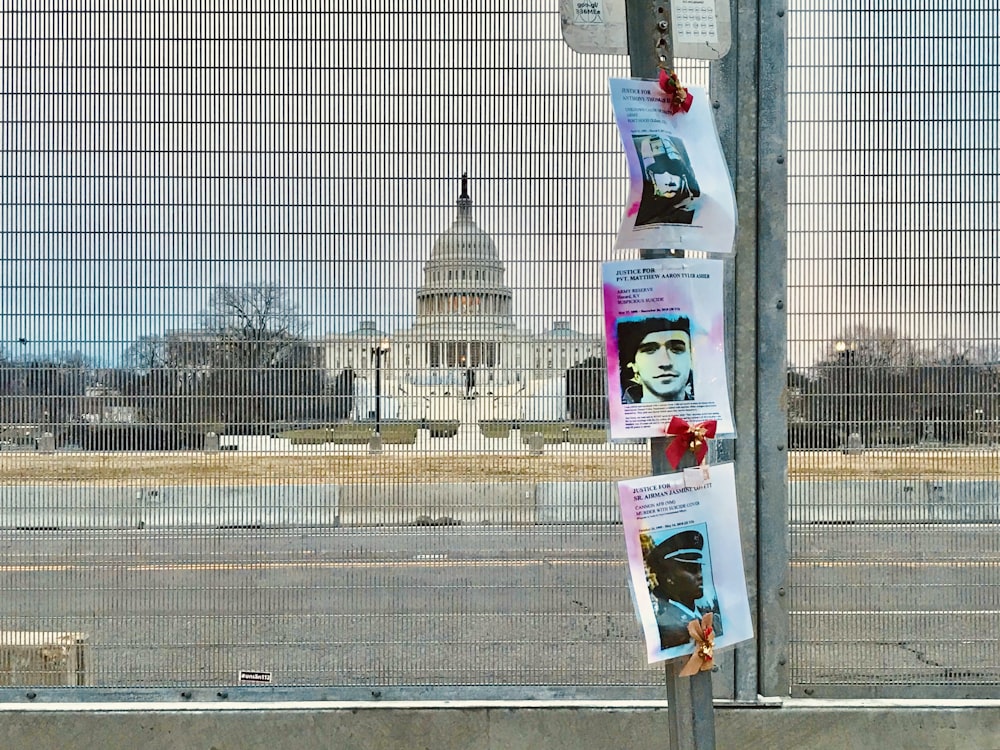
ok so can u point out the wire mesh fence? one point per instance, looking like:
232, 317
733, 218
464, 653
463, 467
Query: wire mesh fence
301, 374
893, 378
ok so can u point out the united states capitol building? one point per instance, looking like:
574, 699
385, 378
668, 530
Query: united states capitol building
464, 357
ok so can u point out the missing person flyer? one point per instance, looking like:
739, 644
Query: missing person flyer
663, 322
685, 560
680, 192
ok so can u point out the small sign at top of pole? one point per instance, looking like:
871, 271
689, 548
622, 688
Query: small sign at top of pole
699, 29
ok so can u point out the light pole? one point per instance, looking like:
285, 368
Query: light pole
377, 353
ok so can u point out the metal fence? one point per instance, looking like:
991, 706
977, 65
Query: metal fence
302, 365
301, 362
893, 378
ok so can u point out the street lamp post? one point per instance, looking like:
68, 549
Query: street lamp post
377, 353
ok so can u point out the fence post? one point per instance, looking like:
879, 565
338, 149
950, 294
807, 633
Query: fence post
211, 442
47, 443
690, 710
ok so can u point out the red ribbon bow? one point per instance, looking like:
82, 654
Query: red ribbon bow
688, 437
704, 646
680, 98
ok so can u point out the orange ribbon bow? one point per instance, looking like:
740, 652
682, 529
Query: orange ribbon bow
688, 437
704, 644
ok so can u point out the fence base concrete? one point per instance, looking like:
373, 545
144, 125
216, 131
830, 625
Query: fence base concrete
272, 506
28, 507
894, 501
38, 507
577, 502
404, 504
491, 727
284, 505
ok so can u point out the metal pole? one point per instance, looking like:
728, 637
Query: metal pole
378, 390
690, 710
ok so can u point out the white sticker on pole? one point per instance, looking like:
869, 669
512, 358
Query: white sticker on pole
701, 28
594, 27
588, 12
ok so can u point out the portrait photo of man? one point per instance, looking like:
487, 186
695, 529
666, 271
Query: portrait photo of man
680, 585
670, 190
655, 359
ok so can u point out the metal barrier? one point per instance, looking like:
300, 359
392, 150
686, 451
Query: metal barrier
325, 283
895, 567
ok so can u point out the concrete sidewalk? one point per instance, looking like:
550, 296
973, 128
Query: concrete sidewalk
545, 725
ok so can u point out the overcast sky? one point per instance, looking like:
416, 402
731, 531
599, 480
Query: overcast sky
149, 157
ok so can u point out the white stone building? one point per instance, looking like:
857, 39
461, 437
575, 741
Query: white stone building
464, 357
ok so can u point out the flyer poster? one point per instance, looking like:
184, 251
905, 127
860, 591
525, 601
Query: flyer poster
680, 192
685, 559
664, 328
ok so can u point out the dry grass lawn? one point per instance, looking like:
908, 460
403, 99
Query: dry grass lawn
226, 468
969, 464
165, 469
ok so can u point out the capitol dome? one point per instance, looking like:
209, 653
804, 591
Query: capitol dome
463, 240
463, 284
464, 357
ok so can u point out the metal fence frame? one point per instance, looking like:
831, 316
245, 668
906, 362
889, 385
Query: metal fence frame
749, 94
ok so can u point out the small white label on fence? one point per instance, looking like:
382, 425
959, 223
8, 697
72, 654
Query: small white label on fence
588, 11
255, 677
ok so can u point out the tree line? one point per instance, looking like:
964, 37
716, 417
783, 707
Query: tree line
244, 367
877, 388
247, 367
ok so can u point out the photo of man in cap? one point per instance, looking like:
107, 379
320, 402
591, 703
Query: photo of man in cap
679, 577
655, 358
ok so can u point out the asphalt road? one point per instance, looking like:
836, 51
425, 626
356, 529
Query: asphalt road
541, 605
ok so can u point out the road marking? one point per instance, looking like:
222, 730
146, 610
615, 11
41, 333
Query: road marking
894, 612
304, 564
424, 560
895, 563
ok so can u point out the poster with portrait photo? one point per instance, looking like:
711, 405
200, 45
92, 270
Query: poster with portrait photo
685, 559
680, 192
665, 342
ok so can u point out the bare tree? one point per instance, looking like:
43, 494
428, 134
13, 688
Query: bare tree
893, 390
146, 354
245, 365
253, 326
46, 390
880, 348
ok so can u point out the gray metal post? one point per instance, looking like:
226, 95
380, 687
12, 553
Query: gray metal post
47, 443
764, 172
377, 351
690, 710
211, 442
